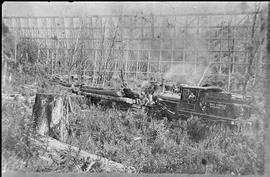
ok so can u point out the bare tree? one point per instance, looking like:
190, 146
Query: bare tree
255, 42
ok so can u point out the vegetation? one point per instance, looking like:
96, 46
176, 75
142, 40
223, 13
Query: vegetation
146, 142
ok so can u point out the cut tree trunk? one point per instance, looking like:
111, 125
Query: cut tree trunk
172, 97
101, 91
50, 115
53, 147
108, 97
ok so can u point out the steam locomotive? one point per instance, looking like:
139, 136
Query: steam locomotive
206, 102
173, 101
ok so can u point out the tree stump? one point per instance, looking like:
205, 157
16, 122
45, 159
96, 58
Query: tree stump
50, 115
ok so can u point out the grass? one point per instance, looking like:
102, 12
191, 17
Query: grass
165, 146
136, 139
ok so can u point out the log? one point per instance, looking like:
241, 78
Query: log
60, 82
112, 98
66, 84
50, 115
53, 148
130, 93
88, 89
170, 97
110, 92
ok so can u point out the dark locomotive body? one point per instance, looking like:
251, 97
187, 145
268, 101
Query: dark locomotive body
206, 102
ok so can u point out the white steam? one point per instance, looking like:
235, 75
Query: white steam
185, 73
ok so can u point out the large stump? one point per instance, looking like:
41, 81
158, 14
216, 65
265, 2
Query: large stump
50, 115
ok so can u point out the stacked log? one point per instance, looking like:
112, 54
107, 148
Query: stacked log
130, 93
170, 97
88, 89
109, 92
109, 97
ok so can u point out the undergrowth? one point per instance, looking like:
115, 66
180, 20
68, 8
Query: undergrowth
162, 146
135, 139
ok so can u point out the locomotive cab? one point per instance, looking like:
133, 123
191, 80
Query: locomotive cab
211, 102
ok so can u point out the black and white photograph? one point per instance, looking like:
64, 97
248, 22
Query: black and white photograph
135, 88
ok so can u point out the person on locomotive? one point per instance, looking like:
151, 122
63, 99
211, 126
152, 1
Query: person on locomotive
192, 97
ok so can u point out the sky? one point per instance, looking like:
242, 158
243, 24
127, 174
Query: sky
107, 8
